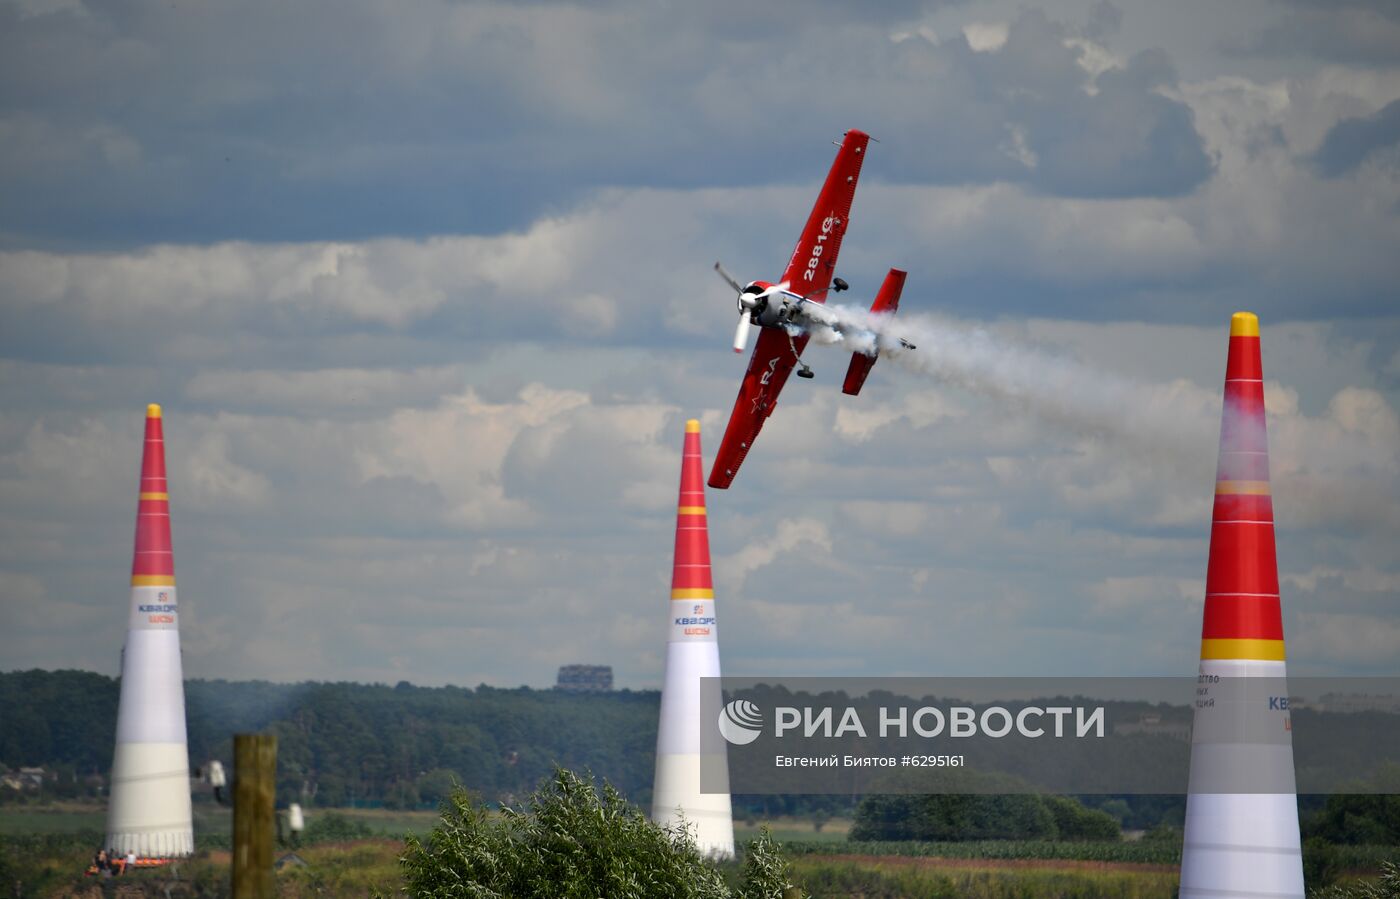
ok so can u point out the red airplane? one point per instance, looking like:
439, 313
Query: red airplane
789, 310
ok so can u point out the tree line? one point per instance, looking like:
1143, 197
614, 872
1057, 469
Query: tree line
403, 746
344, 744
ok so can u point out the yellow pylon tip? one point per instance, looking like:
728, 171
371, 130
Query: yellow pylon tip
153, 410
1244, 324
692, 426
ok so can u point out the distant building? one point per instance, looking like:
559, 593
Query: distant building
1353, 702
24, 779
585, 678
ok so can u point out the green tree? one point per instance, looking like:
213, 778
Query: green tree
1353, 819
402, 794
767, 875
570, 840
960, 816
1164, 833
333, 827
1320, 864
1075, 822
1387, 887
437, 785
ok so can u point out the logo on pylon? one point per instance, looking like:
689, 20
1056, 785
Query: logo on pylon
740, 722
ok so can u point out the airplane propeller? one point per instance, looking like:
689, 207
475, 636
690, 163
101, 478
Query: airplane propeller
748, 304
741, 333
729, 279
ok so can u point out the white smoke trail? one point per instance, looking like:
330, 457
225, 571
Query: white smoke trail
1172, 420
1172, 427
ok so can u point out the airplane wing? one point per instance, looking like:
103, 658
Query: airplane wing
808, 274
769, 367
814, 258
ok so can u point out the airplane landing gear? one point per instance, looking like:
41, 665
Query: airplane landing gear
806, 370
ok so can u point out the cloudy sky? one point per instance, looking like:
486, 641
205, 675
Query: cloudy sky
424, 288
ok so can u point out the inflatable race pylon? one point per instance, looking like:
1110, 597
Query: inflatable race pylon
692, 652
1242, 844
149, 809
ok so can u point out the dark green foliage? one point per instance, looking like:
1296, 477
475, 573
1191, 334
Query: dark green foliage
1320, 863
569, 840
1075, 822
331, 827
875, 881
58, 717
1386, 887
1084, 850
370, 744
1165, 833
1119, 808
437, 785
42, 862
1141, 811
1155, 852
1354, 819
952, 817
354, 744
767, 806
767, 874
402, 794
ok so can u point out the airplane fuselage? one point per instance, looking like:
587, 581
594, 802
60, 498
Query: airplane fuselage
779, 308
790, 310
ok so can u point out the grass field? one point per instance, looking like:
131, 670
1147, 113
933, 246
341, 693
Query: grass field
61, 818
213, 819
874, 877
369, 867
392, 823
359, 868
827, 864
20, 820
789, 829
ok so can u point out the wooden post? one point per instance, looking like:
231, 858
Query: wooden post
254, 799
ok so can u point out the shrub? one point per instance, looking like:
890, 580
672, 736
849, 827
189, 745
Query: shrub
1075, 822
950, 817
570, 840
1320, 863
1387, 887
333, 827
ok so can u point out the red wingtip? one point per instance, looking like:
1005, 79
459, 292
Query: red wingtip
690, 578
1243, 617
152, 563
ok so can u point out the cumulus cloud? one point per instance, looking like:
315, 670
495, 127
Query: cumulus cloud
1352, 141
549, 509
1363, 640
167, 124
325, 390
1353, 32
427, 317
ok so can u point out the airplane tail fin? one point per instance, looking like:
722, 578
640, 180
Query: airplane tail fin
887, 300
